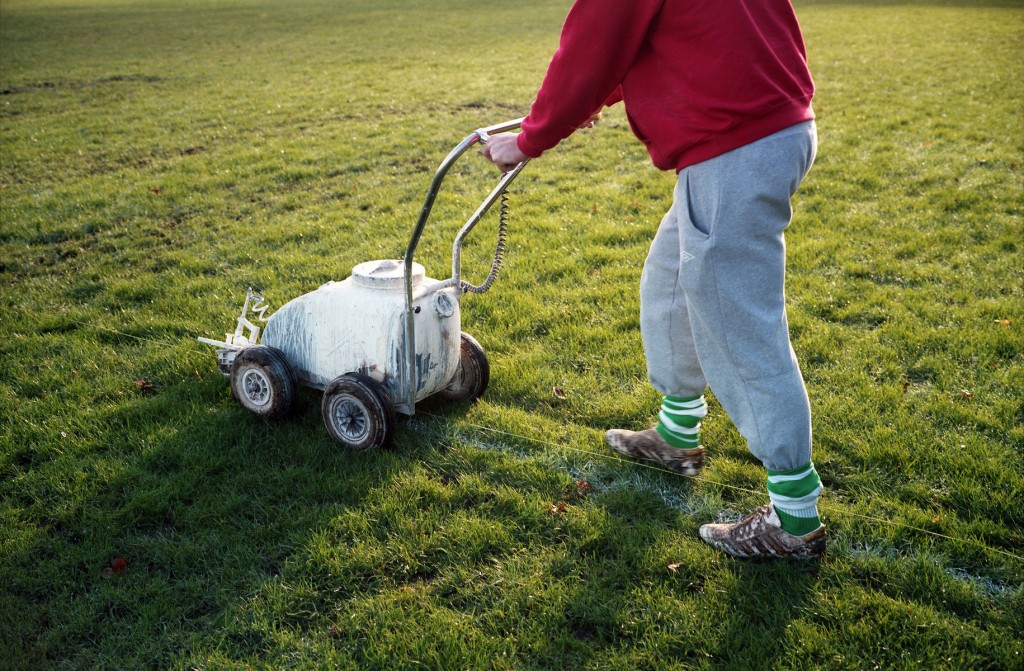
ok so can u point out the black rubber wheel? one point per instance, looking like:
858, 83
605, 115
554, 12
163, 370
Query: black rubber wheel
357, 412
473, 374
262, 382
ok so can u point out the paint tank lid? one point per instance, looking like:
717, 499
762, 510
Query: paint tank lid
387, 274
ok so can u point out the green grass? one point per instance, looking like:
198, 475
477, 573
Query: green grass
157, 158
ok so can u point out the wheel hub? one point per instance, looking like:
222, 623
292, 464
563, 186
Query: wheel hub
256, 387
350, 418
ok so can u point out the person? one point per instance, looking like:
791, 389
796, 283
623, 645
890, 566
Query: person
721, 93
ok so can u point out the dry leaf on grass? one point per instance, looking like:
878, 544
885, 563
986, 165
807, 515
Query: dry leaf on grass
145, 386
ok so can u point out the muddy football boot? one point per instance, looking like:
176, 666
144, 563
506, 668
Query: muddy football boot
651, 446
760, 534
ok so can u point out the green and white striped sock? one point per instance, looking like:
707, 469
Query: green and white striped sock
795, 497
679, 420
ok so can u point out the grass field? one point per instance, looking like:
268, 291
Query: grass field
157, 158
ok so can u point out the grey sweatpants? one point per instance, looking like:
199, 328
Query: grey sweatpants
712, 297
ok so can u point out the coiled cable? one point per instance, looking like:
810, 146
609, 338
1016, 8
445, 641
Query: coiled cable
499, 250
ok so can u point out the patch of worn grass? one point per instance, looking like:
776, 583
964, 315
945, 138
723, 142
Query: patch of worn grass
158, 158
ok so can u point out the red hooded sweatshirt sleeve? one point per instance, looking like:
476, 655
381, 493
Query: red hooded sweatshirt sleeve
698, 77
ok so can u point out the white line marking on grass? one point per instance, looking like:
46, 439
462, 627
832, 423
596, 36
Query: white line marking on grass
701, 479
604, 478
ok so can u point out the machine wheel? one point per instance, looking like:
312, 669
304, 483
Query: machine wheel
262, 381
357, 412
473, 373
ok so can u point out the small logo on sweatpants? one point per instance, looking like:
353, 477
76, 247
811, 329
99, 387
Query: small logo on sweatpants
686, 256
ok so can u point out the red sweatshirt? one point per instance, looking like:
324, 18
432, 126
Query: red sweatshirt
698, 77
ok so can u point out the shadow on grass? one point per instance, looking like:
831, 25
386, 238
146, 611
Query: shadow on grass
627, 578
764, 600
204, 506
625, 604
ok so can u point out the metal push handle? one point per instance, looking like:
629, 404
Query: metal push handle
481, 135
